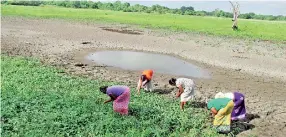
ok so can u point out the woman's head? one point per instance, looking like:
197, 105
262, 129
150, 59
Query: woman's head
172, 81
143, 77
103, 89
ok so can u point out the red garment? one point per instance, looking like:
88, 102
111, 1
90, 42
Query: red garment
120, 104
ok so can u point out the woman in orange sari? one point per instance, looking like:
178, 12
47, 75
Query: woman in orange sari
145, 81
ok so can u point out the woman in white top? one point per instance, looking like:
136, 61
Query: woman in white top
186, 89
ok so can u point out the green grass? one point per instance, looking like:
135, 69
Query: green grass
41, 101
264, 30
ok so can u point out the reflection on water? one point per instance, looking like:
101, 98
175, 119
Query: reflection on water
131, 60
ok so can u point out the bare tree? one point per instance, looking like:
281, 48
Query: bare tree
235, 9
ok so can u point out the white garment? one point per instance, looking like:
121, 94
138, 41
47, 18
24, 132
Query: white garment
148, 86
219, 95
188, 85
185, 82
229, 95
188, 94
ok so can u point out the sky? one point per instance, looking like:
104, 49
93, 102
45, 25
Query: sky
258, 7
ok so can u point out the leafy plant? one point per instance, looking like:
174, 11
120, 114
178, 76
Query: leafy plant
39, 101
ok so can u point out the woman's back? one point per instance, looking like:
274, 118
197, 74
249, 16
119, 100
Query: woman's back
218, 103
116, 90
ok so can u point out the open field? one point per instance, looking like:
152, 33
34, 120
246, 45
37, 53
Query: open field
264, 30
43, 101
255, 68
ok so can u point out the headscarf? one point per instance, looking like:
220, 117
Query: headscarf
219, 95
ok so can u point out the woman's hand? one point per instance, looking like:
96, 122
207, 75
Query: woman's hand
107, 101
214, 111
144, 83
213, 115
139, 86
180, 91
178, 94
111, 99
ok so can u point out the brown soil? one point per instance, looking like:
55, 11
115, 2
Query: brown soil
258, 72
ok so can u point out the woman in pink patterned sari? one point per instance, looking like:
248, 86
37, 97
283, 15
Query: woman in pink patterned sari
120, 95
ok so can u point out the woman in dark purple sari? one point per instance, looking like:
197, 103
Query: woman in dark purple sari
239, 110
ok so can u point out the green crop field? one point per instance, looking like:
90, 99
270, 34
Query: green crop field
264, 30
38, 100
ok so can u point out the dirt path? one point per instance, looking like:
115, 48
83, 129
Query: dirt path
256, 68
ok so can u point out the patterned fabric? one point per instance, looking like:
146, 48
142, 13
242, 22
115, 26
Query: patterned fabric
120, 105
188, 94
185, 83
188, 86
239, 110
222, 119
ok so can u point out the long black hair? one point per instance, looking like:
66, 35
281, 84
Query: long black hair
172, 81
103, 89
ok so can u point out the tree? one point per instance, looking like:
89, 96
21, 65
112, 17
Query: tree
200, 13
235, 9
189, 12
159, 9
94, 5
117, 6
260, 17
271, 17
219, 13
126, 7
280, 17
76, 4
184, 9
4, 2
109, 6
227, 15
84, 4
61, 3
100, 5
177, 11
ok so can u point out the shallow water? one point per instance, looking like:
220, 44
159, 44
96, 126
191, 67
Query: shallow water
131, 60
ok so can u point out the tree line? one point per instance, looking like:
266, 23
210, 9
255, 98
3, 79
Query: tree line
126, 7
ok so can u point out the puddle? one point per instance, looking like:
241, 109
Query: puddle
130, 60
123, 30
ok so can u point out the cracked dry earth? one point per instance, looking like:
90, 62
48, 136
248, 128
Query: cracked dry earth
255, 68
